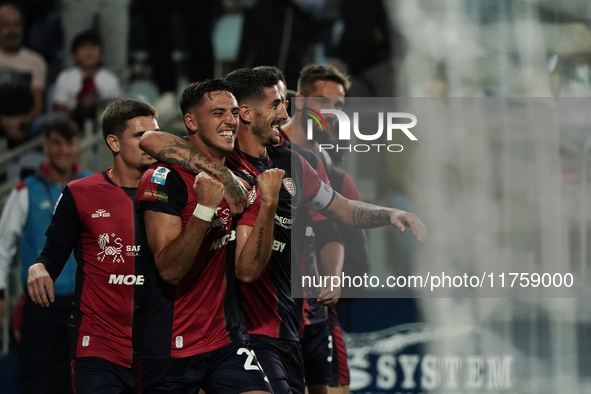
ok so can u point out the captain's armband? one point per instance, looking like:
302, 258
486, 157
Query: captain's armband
323, 198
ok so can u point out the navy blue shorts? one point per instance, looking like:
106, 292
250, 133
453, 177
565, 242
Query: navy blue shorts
317, 353
97, 375
232, 369
281, 360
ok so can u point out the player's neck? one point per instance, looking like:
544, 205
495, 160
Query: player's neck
298, 134
250, 144
125, 176
209, 153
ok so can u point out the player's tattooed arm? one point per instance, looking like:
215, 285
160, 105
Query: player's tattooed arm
360, 214
253, 244
171, 149
175, 248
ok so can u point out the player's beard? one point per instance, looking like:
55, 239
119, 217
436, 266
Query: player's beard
145, 164
261, 131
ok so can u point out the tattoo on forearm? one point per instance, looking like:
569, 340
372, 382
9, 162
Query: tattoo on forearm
183, 154
367, 215
259, 244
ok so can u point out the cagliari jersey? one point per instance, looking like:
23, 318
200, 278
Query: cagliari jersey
269, 308
202, 313
311, 224
97, 219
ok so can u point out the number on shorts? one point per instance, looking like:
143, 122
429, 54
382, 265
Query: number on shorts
248, 364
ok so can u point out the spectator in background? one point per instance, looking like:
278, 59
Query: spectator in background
22, 78
197, 17
113, 26
364, 48
79, 90
26, 216
280, 33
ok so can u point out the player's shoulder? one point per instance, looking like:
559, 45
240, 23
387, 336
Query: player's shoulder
88, 181
278, 150
307, 154
160, 173
282, 153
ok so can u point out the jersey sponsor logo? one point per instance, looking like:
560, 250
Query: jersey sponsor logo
85, 341
110, 249
178, 342
101, 213
310, 231
278, 246
223, 241
283, 222
159, 175
155, 195
289, 186
128, 280
133, 250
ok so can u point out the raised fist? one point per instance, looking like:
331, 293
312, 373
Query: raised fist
269, 183
209, 192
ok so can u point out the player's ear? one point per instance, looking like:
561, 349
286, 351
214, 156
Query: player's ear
113, 142
246, 113
298, 102
190, 122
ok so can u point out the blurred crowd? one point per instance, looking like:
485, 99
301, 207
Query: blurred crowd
72, 57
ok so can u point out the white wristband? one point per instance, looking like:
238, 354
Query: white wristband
204, 213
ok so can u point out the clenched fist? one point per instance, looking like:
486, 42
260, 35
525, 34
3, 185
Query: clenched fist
269, 183
209, 192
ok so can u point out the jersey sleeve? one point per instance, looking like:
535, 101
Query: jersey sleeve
348, 189
249, 216
317, 194
162, 190
62, 234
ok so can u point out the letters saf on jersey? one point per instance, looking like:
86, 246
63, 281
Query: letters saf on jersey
98, 219
269, 308
202, 313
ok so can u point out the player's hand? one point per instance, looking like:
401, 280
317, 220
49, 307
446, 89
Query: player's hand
402, 219
209, 192
269, 183
329, 297
236, 193
40, 285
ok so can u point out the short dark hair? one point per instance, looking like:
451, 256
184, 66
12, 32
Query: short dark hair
193, 95
320, 72
84, 38
62, 125
116, 115
275, 70
249, 84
